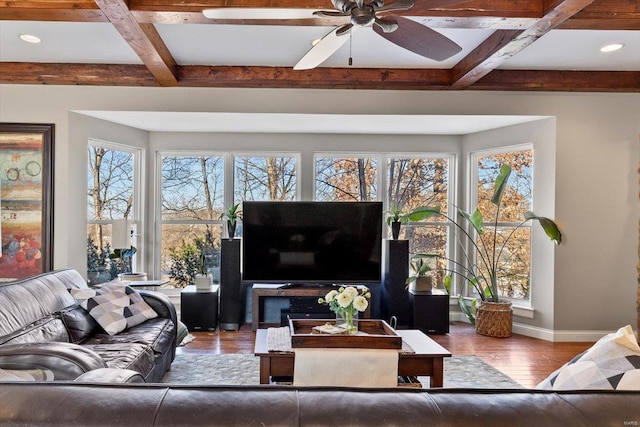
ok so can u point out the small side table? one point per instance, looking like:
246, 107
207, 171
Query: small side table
430, 312
199, 308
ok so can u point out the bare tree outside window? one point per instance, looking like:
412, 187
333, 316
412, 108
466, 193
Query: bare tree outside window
515, 262
110, 196
265, 178
192, 201
346, 179
414, 182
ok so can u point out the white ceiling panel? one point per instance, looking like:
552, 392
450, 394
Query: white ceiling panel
66, 42
579, 50
201, 44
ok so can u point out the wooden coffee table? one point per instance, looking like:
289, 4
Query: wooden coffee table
428, 359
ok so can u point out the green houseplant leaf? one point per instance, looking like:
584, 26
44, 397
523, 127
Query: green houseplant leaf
550, 228
500, 184
475, 219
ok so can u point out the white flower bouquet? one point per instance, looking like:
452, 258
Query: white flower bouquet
346, 303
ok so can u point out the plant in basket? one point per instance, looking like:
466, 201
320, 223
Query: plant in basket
346, 303
484, 247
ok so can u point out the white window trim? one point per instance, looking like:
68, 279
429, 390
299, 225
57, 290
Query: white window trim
138, 260
158, 221
472, 197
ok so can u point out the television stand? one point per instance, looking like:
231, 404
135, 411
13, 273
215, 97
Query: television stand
261, 290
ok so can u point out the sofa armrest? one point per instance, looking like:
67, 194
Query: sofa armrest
161, 304
67, 361
111, 375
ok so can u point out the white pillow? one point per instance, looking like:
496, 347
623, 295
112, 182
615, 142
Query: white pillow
114, 305
612, 363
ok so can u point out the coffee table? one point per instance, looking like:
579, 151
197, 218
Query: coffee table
428, 359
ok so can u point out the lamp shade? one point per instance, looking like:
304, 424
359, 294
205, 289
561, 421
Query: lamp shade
121, 234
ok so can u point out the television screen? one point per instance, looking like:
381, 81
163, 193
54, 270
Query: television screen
312, 242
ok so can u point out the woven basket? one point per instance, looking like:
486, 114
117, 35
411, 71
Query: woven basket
494, 319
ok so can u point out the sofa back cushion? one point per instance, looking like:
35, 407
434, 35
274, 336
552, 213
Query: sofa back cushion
29, 308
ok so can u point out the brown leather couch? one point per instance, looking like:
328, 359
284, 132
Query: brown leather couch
42, 326
60, 404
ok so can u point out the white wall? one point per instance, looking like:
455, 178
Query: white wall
597, 156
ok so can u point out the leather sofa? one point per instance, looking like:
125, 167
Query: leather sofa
42, 326
48, 404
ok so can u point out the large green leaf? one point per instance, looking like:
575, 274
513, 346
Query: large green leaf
423, 212
475, 219
500, 184
550, 228
467, 312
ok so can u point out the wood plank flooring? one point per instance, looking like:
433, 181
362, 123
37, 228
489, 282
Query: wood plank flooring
526, 360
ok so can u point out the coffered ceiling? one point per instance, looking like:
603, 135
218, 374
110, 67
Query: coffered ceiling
549, 45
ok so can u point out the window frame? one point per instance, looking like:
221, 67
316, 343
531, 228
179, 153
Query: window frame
138, 259
472, 196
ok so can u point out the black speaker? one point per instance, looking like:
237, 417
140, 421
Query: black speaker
430, 312
394, 296
230, 285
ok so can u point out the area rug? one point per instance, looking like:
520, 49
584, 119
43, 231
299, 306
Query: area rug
244, 369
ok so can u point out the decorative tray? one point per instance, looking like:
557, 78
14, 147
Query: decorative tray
371, 334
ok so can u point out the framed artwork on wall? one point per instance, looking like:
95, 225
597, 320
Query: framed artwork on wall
26, 199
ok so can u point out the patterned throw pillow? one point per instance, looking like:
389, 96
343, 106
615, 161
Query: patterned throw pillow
115, 306
612, 363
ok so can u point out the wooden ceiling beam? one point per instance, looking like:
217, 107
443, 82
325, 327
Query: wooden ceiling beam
504, 15
319, 78
144, 39
503, 45
566, 81
76, 74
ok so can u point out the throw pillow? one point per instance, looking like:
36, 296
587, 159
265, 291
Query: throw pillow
612, 363
79, 323
115, 306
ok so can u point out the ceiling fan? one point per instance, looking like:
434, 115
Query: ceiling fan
399, 30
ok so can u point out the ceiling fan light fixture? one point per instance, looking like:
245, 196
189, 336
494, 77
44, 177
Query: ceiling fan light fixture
612, 47
30, 38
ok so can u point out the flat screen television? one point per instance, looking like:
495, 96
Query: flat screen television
312, 242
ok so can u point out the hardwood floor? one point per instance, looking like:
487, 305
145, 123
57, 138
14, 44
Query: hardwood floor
526, 360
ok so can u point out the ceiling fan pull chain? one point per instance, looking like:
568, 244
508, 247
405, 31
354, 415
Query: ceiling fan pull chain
350, 58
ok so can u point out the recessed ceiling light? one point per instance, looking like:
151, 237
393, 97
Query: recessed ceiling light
30, 38
611, 47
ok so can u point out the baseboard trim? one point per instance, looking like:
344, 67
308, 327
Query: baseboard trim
545, 334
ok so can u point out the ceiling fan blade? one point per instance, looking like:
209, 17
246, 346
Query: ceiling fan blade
408, 4
386, 25
324, 48
257, 13
329, 13
419, 39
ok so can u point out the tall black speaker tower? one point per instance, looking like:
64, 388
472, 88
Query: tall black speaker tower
230, 285
394, 296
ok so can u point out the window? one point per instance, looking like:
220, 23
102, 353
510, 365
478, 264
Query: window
350, 179
112, 181
265, 178
515, 260
422, 181
192, 198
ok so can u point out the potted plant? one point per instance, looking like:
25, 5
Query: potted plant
420, 280
396, 217
233, 214
97, 263
489, 314
203, 279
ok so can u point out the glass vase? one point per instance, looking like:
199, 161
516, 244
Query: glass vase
348, 320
